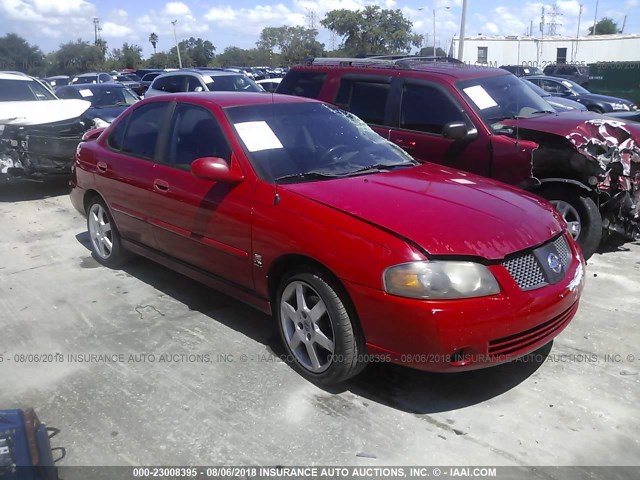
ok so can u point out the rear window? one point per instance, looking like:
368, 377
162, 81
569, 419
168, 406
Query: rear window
169, 84
302, 84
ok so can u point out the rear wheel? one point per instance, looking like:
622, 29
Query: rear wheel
317, 327
583, 218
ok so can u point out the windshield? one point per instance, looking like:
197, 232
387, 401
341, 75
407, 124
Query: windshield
500, 97
101, 97
231, 83
19, 90
297, 142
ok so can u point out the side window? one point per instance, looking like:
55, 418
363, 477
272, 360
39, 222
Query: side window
143, 129
170, 84
551, 87
366, 100
427, 109
193, 83
302, 84
195, 133
104, 78
117, 134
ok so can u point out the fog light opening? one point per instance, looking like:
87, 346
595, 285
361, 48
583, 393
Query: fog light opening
461, 357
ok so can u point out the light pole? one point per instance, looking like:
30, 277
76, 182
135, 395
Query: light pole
446, 7
176, 39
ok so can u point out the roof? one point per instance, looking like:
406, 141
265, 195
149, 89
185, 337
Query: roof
90, 74
452, 70
550, 38
15, 76
92, 86
210, 73
231, 99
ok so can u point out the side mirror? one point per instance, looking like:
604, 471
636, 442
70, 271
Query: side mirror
216, 169
458, 131
92, 134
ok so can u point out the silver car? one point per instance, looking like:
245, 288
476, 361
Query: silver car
201, 81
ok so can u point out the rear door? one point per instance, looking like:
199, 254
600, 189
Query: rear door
125, 176
203, 223
421, 109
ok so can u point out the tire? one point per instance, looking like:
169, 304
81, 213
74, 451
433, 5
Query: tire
104, 238
581, 214
330, 331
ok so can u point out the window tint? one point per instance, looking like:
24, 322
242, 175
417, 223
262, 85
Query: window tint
117, 134
366, 100
427, 109
169, 84
195, 133
302, 84
193, 83
143, 128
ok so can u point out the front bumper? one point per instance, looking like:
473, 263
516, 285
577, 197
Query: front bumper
456, 335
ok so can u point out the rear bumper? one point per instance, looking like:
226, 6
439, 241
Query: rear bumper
456, 335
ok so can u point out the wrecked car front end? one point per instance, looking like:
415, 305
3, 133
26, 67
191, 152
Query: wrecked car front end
597, 154
39, 138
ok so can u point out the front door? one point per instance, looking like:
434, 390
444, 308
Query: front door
204, 223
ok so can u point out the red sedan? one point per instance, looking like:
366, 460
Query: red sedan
302, 211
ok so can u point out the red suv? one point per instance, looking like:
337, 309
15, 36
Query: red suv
487, 121
301, 210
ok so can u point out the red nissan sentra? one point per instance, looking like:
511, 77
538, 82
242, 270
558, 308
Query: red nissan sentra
302, 211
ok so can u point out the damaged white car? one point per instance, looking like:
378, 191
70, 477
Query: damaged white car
39, 133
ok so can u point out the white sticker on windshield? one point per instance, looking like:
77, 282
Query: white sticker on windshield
257, 136
85, 92
480, 97
207, 79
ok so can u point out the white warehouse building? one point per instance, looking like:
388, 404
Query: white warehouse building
535, 51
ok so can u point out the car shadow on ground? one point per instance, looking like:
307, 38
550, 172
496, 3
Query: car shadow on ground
25, 190
401, 388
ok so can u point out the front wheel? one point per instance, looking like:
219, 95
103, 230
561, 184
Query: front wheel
581, 213
318, 328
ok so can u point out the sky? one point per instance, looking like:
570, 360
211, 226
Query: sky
49, 23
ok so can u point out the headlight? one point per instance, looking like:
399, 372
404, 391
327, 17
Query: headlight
620, 106
99, 123
440, 280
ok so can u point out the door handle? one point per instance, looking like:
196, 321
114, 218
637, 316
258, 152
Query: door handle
160, 185
102, 166
406, 145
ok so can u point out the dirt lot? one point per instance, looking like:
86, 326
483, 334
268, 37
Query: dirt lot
182, 375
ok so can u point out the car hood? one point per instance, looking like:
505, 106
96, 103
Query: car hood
444, 211
595, 97
565, 104
565, 123
40, 112
107, 114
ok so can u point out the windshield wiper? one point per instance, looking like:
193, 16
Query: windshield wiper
306, 176
381, 167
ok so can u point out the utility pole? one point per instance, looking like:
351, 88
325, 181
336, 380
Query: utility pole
595, 18
96, 29
575, 55
463, 21
311, 16
177, 45
624, 22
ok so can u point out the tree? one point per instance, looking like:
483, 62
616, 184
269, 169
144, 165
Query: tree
153, 39
234, 56
17, 54
372, 30
129, 56
606, 26
428, 51
294, 43
76, 57
195, 52
162, 60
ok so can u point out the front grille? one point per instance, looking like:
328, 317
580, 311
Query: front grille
526, 271
520, 341
563, 250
